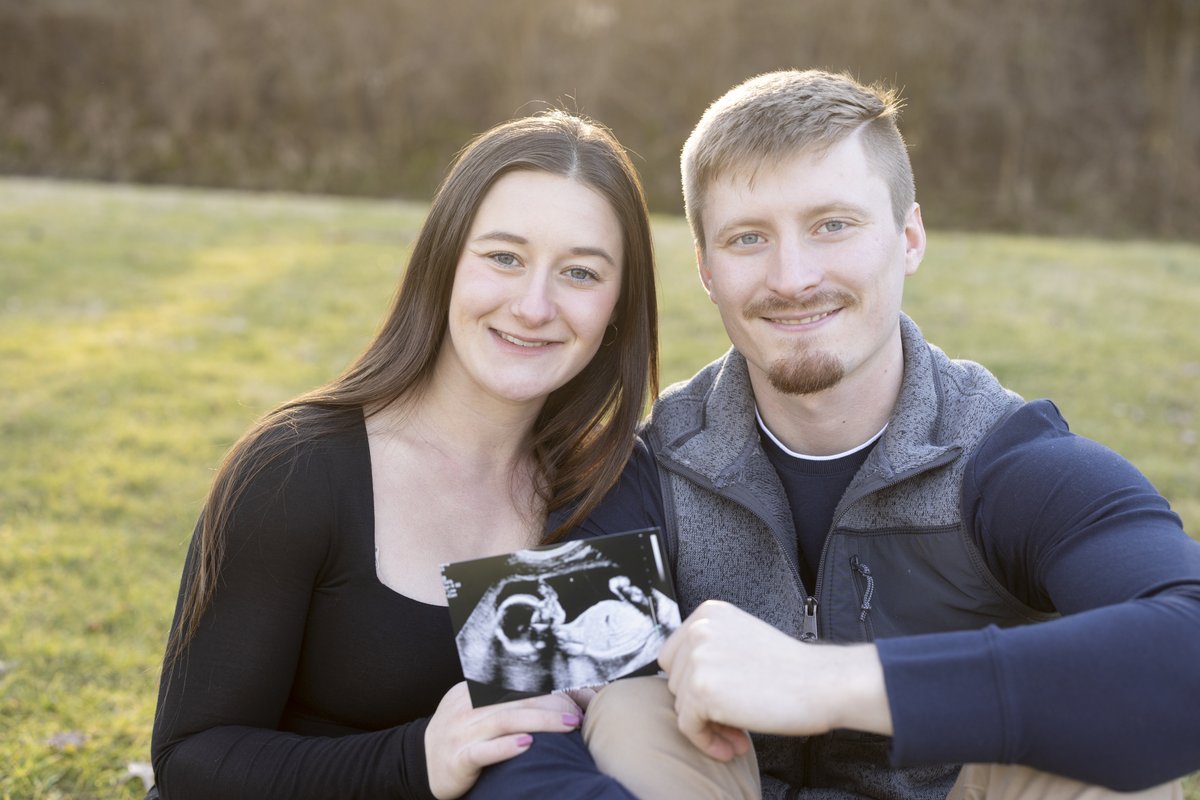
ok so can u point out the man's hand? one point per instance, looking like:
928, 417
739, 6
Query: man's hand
731, 672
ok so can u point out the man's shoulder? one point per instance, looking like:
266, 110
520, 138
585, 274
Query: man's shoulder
1034, 451
1035, 439
970, 378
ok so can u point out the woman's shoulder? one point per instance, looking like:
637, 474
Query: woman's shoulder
304, 433
294, 457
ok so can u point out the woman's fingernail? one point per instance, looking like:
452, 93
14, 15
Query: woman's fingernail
524, 740
571, 720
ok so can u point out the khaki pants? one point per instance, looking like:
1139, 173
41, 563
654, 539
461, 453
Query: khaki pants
631, 732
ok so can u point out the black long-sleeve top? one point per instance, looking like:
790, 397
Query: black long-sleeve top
308, 678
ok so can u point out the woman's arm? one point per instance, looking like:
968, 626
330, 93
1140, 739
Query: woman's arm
221, 702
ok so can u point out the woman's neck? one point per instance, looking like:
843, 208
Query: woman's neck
479, 434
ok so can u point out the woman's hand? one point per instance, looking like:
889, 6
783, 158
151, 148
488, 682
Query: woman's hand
461, 740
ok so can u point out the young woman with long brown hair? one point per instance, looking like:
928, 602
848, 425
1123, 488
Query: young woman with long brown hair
311, 653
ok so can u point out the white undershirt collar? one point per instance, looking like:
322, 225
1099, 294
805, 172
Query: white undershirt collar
833, 457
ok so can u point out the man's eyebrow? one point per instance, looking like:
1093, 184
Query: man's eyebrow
837, 208
734, 224
512, 238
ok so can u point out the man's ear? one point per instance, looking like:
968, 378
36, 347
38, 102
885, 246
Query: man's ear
705, 274
914, 240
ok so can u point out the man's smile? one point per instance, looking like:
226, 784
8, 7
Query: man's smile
803, 320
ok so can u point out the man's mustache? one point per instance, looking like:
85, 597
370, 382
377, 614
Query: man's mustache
775, 306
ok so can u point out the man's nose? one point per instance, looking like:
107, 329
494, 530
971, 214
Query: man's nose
793, 269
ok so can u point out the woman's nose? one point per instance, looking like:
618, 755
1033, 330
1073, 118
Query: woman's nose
534, 305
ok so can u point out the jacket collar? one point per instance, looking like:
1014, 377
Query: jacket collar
717, 437
912, 439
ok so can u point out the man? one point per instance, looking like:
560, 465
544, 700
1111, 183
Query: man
864, 530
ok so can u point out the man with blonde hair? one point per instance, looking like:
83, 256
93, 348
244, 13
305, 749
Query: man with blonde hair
891, 564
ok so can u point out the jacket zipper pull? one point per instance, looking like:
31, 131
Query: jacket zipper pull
808, 629
862, 569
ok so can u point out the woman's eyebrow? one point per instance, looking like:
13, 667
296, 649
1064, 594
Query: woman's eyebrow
501, 236
512, 238
599, 252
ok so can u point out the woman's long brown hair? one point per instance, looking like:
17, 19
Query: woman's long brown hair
584, 433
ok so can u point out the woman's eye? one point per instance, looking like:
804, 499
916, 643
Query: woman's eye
581, 274
504, 259
833, 226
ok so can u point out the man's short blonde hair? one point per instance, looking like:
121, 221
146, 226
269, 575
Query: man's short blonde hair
779, 115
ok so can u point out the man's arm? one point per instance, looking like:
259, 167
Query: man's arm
732, 672
1103, 695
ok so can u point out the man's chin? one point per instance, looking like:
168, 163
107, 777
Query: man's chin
805, 375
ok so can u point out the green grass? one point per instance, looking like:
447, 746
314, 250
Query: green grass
142, 330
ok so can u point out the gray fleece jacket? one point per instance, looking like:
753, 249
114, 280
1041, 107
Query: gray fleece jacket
897, 560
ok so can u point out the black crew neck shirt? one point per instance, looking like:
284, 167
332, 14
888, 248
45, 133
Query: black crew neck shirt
814, 487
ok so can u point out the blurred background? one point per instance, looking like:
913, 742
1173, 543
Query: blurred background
1040, 116
144, 327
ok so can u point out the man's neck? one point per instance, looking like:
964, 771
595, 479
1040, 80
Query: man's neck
836, 420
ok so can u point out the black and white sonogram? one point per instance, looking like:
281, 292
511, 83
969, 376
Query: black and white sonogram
561, 616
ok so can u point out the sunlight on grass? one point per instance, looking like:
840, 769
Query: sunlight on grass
141, 330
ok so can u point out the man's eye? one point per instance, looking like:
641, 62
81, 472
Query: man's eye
748, 239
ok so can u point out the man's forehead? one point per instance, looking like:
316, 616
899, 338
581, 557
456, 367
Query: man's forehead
745, 175
845, 160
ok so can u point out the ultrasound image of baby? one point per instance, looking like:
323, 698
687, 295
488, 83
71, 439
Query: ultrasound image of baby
565, 616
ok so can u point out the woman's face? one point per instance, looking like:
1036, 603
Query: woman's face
535, 287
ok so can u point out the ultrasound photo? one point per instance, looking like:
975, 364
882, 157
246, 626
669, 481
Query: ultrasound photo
561, 616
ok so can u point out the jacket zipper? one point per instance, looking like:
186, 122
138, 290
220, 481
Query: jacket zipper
808, 627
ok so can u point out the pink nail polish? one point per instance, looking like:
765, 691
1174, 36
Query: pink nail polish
571, 720
524, 740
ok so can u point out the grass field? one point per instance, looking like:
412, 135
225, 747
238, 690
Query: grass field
141, 330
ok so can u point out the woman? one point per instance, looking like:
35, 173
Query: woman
311, 653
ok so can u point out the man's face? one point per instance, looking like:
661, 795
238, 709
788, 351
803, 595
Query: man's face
807, 267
